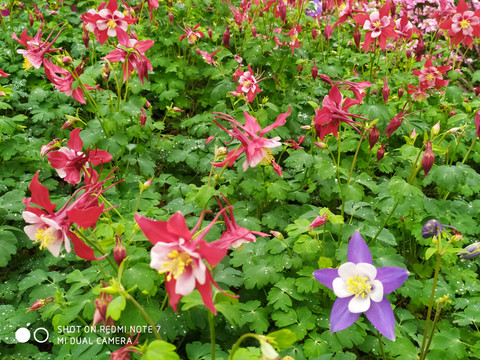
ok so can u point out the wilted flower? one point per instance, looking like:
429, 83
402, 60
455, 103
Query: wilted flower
360, 288
473, 251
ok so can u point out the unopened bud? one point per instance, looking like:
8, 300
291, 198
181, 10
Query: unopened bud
66, 60
435, 129
356, 37
105, 72
147, 104
210, 33
277, 235
431, 228
143, 117
428, 158
220, 152
39, 304
401, 91
254, 31
328, 32
226, 38
119, 251
314, 33
472, 251
170, 17
321, 145
443, 301
381, 152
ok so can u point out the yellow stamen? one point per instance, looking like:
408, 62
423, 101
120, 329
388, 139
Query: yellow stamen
377, 24
359, 286
268, 157
111, 24
464, 24
192, 38
27, 64
175, 264
430, 77
45, 237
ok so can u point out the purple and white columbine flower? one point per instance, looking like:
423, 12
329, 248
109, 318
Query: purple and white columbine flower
318, 9
361, 288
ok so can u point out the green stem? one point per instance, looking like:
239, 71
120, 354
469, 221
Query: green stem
212, 333
432, 333
423, 349
236, 346
147, 317
382, 350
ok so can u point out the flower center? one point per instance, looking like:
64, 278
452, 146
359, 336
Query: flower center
465, 24
27, 64
377, 24
45, 237
429, 77
192, 38
267, 157
359, 286
175, 264
111, 24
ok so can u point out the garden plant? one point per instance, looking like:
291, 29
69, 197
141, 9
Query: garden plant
239, 179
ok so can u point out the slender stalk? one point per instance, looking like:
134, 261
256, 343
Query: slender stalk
236, 346
212, 333
147, 317
382, 350
435, 321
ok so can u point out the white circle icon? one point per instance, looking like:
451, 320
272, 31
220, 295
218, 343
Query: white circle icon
22, 335
47, 335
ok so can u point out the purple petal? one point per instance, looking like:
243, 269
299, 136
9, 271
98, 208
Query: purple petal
391, 277
381, 316
341, 318
326, 276
358, 251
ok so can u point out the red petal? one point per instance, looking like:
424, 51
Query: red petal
85, 218
154, 230
75, 143
97, 157
83, 250
177, 225
40, 195
211, 253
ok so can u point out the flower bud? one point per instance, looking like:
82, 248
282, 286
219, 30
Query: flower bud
328, 32
420, 48
381, 152
443, 301
67, 60
435, 130
431, 228
356, 37
143, 117
105, 72
119, 251
321, 145
147, 104
314, 33
319, 221
473, 250
325, 78
210, 33
39, 304
428, 158
170, 17
373, 135
277, 235
401, 91
314, 71
254, 31
282, 10
385, 91
226, 38
52, 145
477, 123
85, 36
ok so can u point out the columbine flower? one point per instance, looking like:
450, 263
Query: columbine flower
247, 83
463, 25
191, 35
52, 228
36, 49
108, 22
361, 288
253, 144
428, 158
70, 162
473, 250
41, 303
208, 57
319, 221
431, 75
101, 305
183, 255
397, 120
317, 9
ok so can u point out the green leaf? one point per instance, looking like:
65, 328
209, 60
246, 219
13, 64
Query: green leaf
255, 316
283, 338
115, 308
160, 350
283, 318
278, 190
8, 247
34, 278
140, 275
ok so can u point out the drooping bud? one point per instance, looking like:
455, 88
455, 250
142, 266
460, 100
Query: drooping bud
277, 234
319, 221
254, 31
143, 117
170, 16
30, 19
428, 158
85, 36
431, 228
226, 38
356, 37
419, 49
385, 91
325, 78
328, 32
101, 305
477, 123
119, 250
71, 120
282, 10
373, 135
473, 250
401, 91
314, 33
314, 71
321, 145
381, 152
67, 60
52, 145
210, 32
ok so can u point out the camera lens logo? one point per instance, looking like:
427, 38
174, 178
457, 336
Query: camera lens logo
40, 335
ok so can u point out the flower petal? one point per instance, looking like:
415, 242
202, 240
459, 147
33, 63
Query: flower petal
359, 304
326, 276
347, 270
391, 277
340, 288
381, 316
341, 318
358, 251
377, 291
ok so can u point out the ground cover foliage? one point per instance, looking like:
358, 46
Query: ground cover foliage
292, 123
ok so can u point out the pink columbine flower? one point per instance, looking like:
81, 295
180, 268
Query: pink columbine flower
432, 76
151, 5
101, 305
247, 83
208, 57
64, 79
463, 26
70, 162
192, 36
253, 144
183, 255
134, 58
108, 22
52, 228
36, 49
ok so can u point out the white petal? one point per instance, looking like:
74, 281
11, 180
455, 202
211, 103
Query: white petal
31, 218
55, 247
340, 288
367, 270
377, 291
31, 230
359, 304
158, 254
199, 271
347, 270
185, 283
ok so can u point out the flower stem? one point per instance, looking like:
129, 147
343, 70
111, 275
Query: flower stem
147, 317
212, 334
236, 346
382, 350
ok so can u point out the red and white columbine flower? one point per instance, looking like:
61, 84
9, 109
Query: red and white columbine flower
36, 49
253, 144
247, 83
52, 228
208, 57
463, 26
133, 59
379, 26
431, 75
192, 36
70, 162
108, 22
182, 255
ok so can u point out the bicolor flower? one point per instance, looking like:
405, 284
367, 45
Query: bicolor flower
51, 228
108, 22
253, 144
463, 26
247, 83
208, 57
361, 287
432, 76
182, 255
191, 35
36, 49
70, 162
